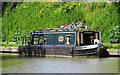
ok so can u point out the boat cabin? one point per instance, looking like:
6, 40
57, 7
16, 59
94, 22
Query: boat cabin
64, 38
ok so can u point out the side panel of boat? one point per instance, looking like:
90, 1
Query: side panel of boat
58, 50
58, 39
43, 51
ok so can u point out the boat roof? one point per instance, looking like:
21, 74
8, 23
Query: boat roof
63, 30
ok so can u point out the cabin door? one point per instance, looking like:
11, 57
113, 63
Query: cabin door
88, 38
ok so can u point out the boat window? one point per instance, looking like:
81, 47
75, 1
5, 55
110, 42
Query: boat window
81, 38
45, 40
91, 37
41, 40
96, 34
35, 42
67, 39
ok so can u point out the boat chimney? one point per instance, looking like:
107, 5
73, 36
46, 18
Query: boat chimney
86, 26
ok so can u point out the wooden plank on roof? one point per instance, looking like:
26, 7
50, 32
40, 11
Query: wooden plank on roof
88, 30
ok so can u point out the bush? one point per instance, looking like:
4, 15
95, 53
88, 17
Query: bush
115, 34
29, 16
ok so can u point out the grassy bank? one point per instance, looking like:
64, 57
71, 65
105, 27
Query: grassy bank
9, 45
112, 46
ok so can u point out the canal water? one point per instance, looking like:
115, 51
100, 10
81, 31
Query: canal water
14, 64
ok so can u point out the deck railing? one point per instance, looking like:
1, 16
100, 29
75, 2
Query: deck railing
26, 41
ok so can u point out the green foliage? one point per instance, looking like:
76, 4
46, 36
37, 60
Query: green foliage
115, 34
26, 17
103, 17
8, 6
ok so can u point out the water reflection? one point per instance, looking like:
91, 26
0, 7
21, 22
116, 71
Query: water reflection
58, 65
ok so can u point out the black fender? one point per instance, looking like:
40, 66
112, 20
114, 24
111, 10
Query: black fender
102, 52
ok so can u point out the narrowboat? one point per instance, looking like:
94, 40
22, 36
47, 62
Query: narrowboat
63, 42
